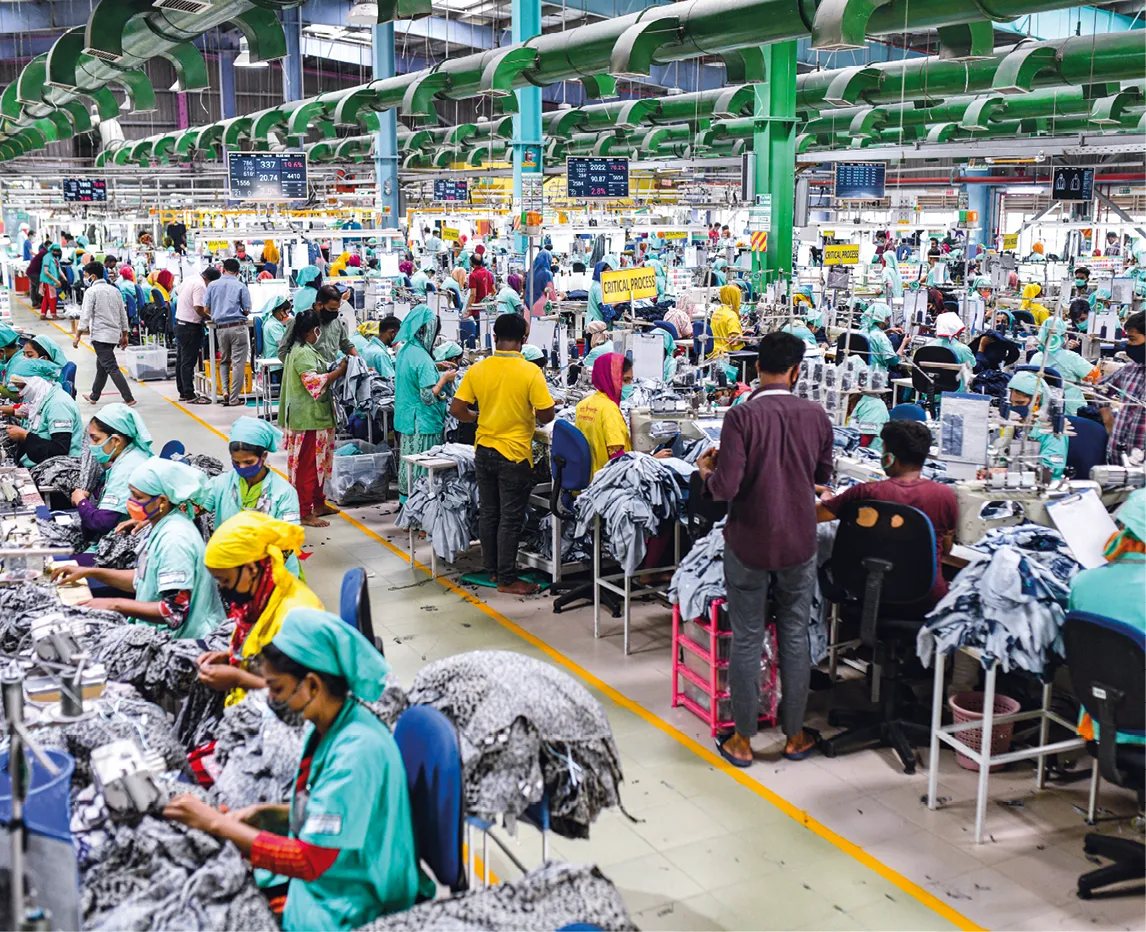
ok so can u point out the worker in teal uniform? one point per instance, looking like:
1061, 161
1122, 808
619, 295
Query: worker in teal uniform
874, 321
1115, 589
670, 363
420, 283
119, 441
889, 276
659, 270
308, 279
1073, 368
378, 355
1029, 395
41, 356
9, 350
277, 310
509, 298
250, 485
171, 584
718, 275
52, 425
596, 297
346, 839
948, 326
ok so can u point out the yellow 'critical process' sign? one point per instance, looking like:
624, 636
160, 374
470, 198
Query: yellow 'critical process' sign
628, 284
841, 255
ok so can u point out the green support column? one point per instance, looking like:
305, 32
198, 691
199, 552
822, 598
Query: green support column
774, 142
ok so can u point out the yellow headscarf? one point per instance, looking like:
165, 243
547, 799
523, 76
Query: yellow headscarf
1036, 310
730, 295
338, 266
270, 251
248, 537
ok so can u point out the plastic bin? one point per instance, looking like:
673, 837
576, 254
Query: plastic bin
147, 363
361, 478
968, 707
48, 808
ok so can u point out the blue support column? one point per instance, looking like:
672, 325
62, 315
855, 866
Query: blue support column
386, 139
527, 121
227, 101
979, 198
292, 63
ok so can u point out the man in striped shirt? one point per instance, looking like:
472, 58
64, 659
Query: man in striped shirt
1127, 427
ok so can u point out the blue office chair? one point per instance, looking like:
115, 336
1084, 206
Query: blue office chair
908, 412
468, 330
667, 327
433, 761
1106, 658
258, 338
1087, 448
172, 449
701, 339
881, 572
68, 378
354, 605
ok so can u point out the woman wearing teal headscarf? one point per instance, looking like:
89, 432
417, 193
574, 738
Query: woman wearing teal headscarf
41, 357
119, 441
275, 313
718, 274
659, 270
670, 364
890, 277
1029, 395
1073, 368
308, 279
52, 425
250, 485
867, 413
9, 350
874, 321
596, 300
420, 283
419, 391
171, 584
346, 840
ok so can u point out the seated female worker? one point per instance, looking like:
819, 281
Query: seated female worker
52, 425
119, 442
1029, 395
41, 357
171, 585
599, 416
346, 840
250, 485
246, 555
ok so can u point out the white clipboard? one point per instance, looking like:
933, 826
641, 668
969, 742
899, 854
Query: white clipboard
1084, 524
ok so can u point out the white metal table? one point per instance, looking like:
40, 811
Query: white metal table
264, 389
982, 754
432, 465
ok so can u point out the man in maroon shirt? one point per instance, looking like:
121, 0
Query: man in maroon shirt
774, 449
481, 284
905, 447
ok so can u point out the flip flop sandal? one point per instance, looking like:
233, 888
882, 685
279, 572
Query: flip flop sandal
734, 761
807, 752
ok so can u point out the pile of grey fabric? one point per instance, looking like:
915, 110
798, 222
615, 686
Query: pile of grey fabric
450, 516
21, 604
113, 551
255, 753
552, 897
152, 873
1010, 602
526, 730
201, 461
633, 495
538, 538
65, 474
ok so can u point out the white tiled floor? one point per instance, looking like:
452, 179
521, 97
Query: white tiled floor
822, 844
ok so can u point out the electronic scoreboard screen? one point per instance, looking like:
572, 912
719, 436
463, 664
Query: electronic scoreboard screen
860, 181
85, 190
267, 176
589, 178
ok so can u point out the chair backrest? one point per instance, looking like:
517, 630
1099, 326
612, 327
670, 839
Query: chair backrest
701, 513
852, 343
929, 380
433, 762
354, 604
570, 458
1087, 448
951, 306
886, 540
468, 331
68, 373
1050, 375
258, 338
171, 449
667, 327
701, 338
1023, 317
908, 412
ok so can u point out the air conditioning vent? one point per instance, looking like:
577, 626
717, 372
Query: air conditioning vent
183, 6
108, 57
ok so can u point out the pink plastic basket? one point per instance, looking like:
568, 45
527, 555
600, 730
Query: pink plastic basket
968, 707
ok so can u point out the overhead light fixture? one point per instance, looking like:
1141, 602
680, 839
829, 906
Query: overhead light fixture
244, 60
363, 13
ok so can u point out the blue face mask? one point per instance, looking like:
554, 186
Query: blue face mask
249, 472
1021, 410
99, 454
626, 391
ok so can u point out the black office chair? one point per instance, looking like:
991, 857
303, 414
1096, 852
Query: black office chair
701, 513
1087, 448
1050, 376
852, 343
1106, 659
354, 605
882, 567
951, 306
1023, 317
998, 353
929, 379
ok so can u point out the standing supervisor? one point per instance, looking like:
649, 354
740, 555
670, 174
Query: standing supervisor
190, 313
104, 316
513, 398
775, 448
228, 303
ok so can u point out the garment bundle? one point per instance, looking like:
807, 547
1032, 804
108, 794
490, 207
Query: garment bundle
633, 495
450, 516
1011, 602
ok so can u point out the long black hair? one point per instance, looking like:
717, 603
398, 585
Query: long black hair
304, 323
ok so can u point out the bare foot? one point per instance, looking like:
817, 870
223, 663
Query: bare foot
313, 521
327, 509
739, 747
519, 587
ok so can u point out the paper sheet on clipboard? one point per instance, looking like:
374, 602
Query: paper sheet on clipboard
1085, 525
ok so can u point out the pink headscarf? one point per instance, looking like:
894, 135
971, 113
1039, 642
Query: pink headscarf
354, 262
514, 282
608, 375
126, 271
406, 267
479, 250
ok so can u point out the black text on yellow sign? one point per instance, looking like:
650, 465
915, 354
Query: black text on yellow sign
628, 284
841, 255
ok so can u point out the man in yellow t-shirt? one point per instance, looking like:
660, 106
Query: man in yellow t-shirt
512, 398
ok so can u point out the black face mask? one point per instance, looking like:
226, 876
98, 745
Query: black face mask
1137, 353
234, 596
328, 316
285, 714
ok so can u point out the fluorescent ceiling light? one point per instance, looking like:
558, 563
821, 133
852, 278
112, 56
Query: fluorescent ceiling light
244, 60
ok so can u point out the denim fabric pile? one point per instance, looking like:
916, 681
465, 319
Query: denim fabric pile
1010, 603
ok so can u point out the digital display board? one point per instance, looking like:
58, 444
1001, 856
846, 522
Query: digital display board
85, 189
860, 181
267, 176
597, 178
1072, 184
447, 189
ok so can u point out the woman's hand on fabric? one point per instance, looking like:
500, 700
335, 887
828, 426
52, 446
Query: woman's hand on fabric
8, 410
79, 495
663, 455
129, 526
212, 656
19, 434
250, 815
193, 812
106, 605
220, 677
66, 575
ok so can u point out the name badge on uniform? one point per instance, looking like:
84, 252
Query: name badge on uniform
61, 425
326, 824
291, 517
168, 580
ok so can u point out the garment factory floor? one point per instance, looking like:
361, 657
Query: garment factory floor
820, 844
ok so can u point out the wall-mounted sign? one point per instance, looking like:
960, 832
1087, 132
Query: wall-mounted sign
266, 176
587, 178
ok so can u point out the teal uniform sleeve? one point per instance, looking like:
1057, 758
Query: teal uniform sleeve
337, 812
882, 352
593, 311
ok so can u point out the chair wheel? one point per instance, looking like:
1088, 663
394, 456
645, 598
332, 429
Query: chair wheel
1084, 894
827, 749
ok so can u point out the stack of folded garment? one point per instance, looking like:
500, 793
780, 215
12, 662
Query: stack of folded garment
699, 580
633, 495
449, 517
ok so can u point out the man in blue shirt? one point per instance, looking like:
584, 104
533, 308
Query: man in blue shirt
228, 304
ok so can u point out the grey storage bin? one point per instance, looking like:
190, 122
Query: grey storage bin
361, 478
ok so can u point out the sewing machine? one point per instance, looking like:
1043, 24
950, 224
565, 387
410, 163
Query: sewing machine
689, 422
973, 495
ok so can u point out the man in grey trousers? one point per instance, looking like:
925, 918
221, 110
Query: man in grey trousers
228, 302
774, 449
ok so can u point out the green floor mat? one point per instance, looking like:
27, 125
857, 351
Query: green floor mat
483, 580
